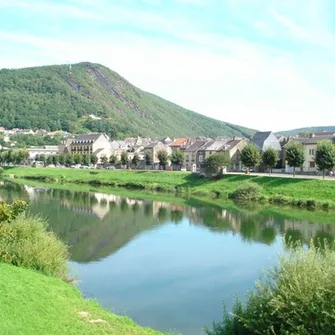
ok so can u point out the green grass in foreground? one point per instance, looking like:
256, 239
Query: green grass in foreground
32, 303
292, 188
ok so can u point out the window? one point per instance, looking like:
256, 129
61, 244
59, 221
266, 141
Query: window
201, 158
311, 152
312, 164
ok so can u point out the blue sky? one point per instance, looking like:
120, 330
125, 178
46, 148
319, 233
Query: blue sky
265, 64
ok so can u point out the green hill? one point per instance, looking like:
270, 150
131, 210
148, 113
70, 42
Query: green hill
306, 130
62, 97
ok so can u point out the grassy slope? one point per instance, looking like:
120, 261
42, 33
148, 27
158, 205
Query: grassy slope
32, 303
55, 97
321, 190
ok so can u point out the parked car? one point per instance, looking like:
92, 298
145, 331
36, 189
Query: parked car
246, 169
110, 167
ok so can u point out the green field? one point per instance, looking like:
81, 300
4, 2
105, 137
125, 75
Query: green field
294, 189
32, 303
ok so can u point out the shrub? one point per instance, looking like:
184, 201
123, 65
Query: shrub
247, 191
281, 199
10, 212
311, 203
25, 242
1, 170
296, 297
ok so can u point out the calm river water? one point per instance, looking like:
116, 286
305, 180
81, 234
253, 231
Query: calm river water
165, 265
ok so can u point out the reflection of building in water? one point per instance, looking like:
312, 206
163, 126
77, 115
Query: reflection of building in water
101, 198
33, 191
97, 209
307, 229
156, 205
100, 208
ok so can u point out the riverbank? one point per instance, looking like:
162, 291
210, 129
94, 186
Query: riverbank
283, 191
32, 303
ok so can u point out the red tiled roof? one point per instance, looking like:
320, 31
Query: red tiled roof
178, 142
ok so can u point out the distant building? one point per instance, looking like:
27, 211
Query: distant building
191, 155
92, 144
265, 140
179, 143
153, 148
46, 150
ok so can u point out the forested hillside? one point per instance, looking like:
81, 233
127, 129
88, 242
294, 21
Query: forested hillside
64, 97
306, 130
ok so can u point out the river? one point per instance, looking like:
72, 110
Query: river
167, 264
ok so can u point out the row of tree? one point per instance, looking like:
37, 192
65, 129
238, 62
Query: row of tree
252, 157
16, 157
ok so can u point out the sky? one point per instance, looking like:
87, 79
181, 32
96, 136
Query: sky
263, 64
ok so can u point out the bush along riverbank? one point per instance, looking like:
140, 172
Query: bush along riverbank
297, 297
35, 294
304, 193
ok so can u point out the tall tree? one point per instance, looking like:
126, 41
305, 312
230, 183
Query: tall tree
124, 158
163, 158
177, 157
295, 155
23, 156
216, 162
86, 159
69, 160
94, 159
61, 159
251, 156
77, 158
325, 156
104, 159
270, 158
49, 160
148, 158
113, 159
136, 160
42, 158
55, 159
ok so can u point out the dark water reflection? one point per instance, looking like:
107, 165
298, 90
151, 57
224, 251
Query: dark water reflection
165, 265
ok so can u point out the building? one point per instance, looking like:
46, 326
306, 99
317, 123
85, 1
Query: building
234, 148
209, 148
179, 143
153, 149
265, 140
91, 144
117, 147
46, 150
190, 156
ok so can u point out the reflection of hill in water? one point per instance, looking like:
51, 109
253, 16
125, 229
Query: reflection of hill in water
96, 225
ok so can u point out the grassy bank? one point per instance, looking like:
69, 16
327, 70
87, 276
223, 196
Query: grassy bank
32, 303
283, 191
